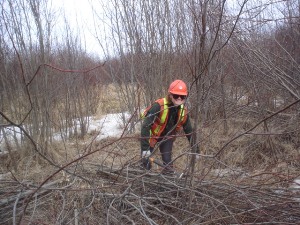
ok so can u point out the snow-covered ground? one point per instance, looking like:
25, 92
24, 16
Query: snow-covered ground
110, 125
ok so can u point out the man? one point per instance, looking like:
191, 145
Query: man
162, 121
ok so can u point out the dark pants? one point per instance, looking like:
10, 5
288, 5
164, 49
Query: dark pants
165, 147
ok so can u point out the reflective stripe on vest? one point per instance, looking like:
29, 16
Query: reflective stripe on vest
160, 123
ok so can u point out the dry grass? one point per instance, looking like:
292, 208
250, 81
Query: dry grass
93, 187
101, 181
109, 102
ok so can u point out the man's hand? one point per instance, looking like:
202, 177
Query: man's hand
146, 154
146, 164
198, 153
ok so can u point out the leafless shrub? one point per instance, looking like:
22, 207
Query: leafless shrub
244, 98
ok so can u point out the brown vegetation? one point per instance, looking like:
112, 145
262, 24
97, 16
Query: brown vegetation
242, 68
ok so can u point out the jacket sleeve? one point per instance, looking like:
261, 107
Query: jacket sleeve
187, 128
146, 126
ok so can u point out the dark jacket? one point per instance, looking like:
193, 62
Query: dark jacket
170, 126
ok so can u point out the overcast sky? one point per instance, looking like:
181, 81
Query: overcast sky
79, 13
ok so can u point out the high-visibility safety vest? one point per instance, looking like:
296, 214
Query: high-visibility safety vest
161, 121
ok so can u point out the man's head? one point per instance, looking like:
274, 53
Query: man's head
178, 92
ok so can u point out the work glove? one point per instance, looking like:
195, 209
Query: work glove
146, 164
198, 153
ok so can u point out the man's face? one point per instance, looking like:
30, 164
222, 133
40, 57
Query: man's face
177, 99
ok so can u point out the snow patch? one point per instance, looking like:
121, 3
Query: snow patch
111, 125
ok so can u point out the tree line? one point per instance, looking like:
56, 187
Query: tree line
238, 62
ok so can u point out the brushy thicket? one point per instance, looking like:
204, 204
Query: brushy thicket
243, 78
251, 181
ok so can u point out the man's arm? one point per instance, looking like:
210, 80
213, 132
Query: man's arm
146, 126
187, 128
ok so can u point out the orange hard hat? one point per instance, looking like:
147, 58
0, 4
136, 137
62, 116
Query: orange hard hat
178, 87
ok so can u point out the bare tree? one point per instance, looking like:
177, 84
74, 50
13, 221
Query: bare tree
36, 95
